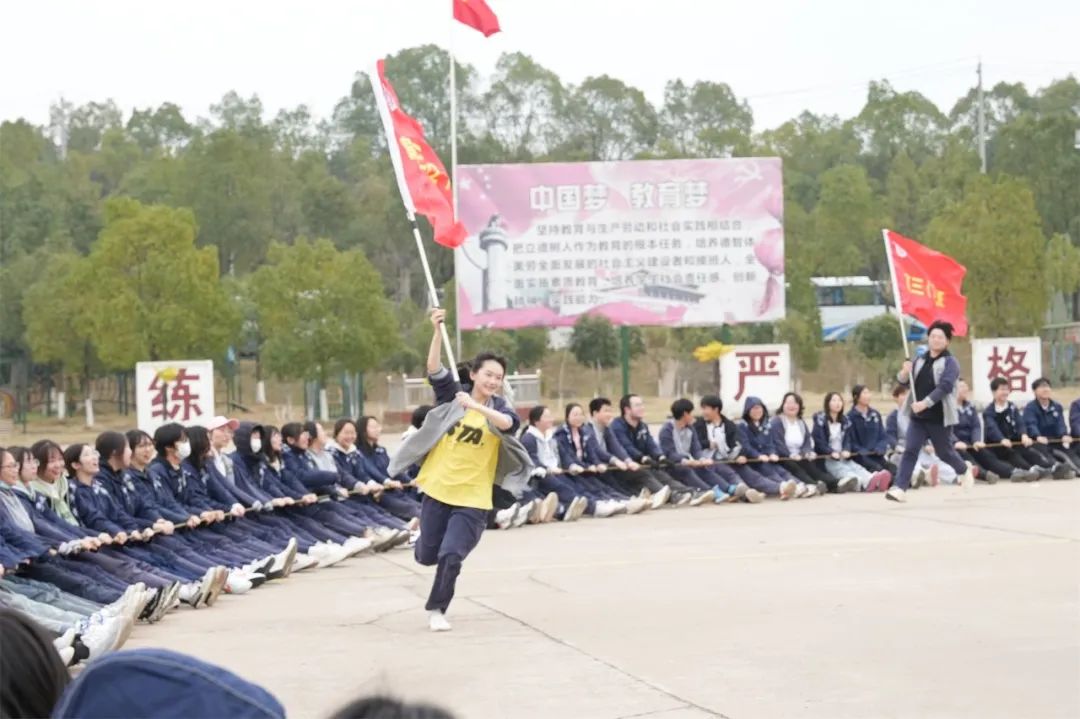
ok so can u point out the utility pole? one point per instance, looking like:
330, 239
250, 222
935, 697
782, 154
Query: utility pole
982, 123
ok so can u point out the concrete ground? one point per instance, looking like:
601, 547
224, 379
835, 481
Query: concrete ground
953, 605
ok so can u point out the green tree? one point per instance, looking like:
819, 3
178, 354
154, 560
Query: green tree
57, 316
879, 341
522, 107
704, 120
846, 226
995, 232
321, 311
608, 120
155, 295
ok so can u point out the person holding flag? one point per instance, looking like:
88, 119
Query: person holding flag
932, 406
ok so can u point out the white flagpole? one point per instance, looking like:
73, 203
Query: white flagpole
896, 291
410, 210
453, 166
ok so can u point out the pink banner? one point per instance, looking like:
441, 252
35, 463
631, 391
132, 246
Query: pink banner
647, 242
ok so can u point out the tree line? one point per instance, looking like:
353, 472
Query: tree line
151, 235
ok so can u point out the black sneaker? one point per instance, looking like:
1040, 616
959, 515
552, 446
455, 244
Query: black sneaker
1062, 471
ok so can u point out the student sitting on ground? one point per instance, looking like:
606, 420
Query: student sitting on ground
561, 498
869, 442
681, 446
832, 440
968, 436
1044, 419
756, 445
794, 444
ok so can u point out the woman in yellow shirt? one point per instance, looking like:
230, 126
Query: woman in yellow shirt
460, 467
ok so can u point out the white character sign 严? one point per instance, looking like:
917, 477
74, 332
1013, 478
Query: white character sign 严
1017, 359
174, 391
762, 371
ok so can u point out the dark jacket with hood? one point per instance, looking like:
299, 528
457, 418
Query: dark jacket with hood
754, 438
165, 685
301, 466
121, 487
868, 432
248, 466
731, 436
166, 483
820, 432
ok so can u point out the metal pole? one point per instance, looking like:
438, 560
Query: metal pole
453, 172
982, 123
896, 291
624, 342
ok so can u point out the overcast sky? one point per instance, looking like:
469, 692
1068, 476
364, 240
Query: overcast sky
784, 56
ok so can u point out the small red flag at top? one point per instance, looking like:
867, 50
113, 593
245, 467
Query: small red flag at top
928, 282
476, 14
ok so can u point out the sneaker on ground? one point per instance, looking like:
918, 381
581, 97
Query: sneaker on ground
604, 508
895, 494
521, 517
568, 511
701, 497
237, 584
801, 490
753, 496
535, 511
788, 489
811, 491
305, 561
635, 505
662, 497
504, 517
918, 479
414, 524
328, 554
684, 499
967, 479
991, 478
437, 621
356, 545
221, 575
822, 489
847, 484
740, 490
1021, 475
548, 507
101, 639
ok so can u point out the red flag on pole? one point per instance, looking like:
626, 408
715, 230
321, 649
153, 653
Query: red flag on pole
421, 176
927, 282
476, 14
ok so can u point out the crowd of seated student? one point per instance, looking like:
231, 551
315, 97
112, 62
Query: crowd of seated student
95, 537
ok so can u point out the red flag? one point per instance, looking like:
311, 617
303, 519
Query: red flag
928, 282
476, 14
421, 176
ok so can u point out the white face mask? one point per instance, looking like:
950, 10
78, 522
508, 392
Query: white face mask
256, 445
183, 450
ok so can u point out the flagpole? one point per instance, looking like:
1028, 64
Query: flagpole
896, 291
453, 169
410, 211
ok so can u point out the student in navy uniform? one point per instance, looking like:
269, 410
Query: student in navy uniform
756, 445
681, 446
719, 436
929, 471
1045, 421
633, 434
1003, 426
562, 500
931, 404
832, 440
635, 480
399, 495
968, 441
587, 465
869, 443
794, 444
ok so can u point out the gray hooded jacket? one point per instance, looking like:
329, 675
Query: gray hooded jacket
513, 468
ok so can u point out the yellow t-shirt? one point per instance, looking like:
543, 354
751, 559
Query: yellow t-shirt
460, 469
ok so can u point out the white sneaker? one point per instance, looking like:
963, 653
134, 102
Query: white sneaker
754, 496
237, 584
811, 490
283, 560
331, 554
524, 513
437, 621
662, 497
684, 499
635, 505
895, 494
549, 507
304, 561
801, 490
701, 498
967, 479
505, 517
64, 640
191, 593
101, 639
582, 506
221, 575
66, 655
355, 545
536, 511
788, 489
604, 508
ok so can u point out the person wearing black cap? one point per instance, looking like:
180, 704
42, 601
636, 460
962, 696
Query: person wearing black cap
932, 405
